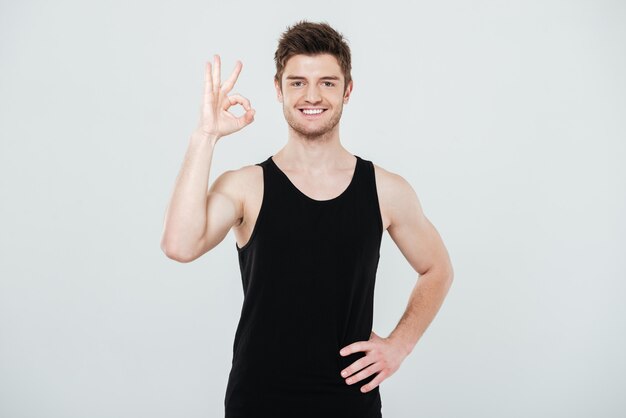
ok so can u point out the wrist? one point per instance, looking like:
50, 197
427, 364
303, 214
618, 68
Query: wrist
401, 342
198, 136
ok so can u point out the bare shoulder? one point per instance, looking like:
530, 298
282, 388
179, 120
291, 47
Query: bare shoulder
230, 182
240, 185
246, 175
250, 178
396, 196
389, 181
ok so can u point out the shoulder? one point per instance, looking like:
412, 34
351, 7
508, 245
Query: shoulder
396, 196
243, 181
247, 173
240, 178
391, 184
238, 183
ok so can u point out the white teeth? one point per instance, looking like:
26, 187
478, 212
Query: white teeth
312, 112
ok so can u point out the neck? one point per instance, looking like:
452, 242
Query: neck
314, 155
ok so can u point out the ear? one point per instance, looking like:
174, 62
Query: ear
279, 94
346, 95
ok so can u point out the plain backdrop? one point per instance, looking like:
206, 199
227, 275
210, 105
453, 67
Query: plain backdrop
508, 118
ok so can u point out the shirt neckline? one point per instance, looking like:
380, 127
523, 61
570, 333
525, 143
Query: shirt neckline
343, 193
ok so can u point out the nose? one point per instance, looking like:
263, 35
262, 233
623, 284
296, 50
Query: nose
312, 94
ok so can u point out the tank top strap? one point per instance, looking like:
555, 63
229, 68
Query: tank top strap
274, 188
367, 193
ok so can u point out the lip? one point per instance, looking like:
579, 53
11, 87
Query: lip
312, 116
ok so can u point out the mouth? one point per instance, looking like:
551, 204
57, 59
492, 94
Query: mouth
311, 112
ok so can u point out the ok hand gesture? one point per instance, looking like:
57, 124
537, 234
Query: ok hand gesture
215, 119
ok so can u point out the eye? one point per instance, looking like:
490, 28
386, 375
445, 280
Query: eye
330, 82
295, 82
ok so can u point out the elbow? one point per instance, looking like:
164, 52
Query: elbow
448, 272
175, 253
443, 272
449, 275
178, 257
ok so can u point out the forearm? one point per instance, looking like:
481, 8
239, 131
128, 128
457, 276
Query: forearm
426, 299
185, 218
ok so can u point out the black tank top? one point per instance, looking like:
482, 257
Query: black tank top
308, 274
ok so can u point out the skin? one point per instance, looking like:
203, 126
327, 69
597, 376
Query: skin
304, 85
321, 168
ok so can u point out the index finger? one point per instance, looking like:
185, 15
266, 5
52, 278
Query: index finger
230, 83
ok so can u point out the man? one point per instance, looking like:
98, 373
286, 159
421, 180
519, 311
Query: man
308, 223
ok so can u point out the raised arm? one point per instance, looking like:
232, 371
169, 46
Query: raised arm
197, 219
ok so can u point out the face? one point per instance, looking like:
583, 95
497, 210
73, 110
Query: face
313, 82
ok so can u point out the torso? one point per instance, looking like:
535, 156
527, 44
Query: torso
308, 248
253, 195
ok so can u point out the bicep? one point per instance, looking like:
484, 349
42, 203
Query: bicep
223, 210
416, 237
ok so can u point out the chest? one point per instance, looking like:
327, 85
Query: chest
254, 201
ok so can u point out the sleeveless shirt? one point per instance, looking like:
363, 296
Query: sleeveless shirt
308, 272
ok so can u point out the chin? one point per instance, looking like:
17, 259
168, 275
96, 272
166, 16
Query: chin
313, 130
310, 133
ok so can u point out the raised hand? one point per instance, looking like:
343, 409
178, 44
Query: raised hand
215, 119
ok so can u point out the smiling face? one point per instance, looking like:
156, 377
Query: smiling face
313, 94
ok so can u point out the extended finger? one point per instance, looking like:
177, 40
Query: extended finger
357, 365
233, 99
208, 83
216, 73
364, 373
354, 347
374, 382
230, 83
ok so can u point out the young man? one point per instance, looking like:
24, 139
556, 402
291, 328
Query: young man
308, 223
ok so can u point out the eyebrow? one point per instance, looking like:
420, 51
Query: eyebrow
297, 77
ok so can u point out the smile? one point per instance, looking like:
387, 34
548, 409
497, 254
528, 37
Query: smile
309, 113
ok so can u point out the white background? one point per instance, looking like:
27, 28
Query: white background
508, 118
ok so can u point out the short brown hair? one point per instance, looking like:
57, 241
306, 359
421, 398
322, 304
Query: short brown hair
310, 38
